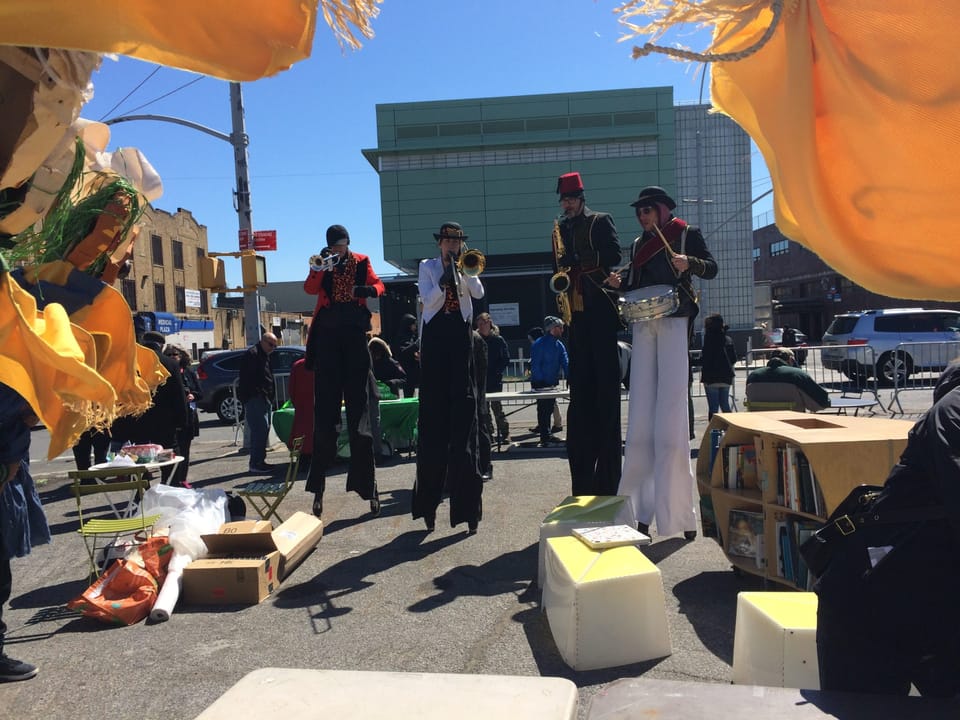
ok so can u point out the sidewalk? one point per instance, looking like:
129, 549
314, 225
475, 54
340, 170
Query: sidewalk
377, 594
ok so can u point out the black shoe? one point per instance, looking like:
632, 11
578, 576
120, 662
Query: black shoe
488, 475
243, 451
317, 504
689, 535
13, 670
431, 522
535, 430
471, 528
375, 504
506, 440
260, 467
644, 528
551, 441
556, 429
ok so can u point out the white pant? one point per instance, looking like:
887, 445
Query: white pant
656, 469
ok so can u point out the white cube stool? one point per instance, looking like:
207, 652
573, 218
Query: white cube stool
605, 607
582, 511
300, 694
775, 640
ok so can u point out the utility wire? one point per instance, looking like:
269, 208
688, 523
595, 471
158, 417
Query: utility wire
740, 210
122, 100
161, 97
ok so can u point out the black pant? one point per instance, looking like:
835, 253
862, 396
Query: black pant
94, 440
6, 586
447, 426
342, 376
594, 440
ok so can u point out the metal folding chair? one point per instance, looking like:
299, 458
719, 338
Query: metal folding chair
265, 496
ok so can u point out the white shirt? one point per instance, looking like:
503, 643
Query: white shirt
433, 295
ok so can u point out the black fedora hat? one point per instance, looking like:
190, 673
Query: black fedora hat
654, 194
450, 231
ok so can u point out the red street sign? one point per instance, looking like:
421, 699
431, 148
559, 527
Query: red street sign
262, 240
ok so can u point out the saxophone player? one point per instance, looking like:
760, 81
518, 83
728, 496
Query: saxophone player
591, 250
337, 353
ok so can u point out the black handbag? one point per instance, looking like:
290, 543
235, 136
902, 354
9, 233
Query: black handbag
856, 511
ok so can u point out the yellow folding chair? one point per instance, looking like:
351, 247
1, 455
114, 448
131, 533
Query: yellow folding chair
94, 530
265, 496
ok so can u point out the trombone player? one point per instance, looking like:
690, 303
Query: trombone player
589, 247
448, 424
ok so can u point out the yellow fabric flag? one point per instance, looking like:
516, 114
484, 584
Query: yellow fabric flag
230, 39
856, 109
44, 362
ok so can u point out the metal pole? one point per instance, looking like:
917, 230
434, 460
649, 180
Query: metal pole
239, 140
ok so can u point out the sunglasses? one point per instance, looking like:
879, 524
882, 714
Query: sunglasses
646, 210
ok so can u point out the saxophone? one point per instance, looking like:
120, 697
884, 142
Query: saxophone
560, 281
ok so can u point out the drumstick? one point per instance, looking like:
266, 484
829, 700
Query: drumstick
670, 251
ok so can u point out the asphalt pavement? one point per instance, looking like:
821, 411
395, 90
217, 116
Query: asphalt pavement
377, 594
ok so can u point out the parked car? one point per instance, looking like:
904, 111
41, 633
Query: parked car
219, 369
884, 330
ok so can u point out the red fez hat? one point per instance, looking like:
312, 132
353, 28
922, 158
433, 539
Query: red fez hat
570, 184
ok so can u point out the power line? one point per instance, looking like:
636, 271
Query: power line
140, 85
740, 210
161, 97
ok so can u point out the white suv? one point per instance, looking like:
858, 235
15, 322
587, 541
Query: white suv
884, 330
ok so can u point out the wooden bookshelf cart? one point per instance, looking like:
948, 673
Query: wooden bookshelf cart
842, 451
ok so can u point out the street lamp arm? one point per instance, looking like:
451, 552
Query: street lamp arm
177, 121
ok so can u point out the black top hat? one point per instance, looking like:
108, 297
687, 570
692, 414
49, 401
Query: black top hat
450, 231
654, 194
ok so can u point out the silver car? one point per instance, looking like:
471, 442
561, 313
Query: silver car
936, 331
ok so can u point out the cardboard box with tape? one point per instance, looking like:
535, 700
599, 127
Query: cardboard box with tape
249, 559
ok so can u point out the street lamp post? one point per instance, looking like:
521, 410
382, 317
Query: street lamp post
239, 140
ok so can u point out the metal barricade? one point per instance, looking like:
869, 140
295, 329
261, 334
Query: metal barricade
916, 366
846, 372
281, 389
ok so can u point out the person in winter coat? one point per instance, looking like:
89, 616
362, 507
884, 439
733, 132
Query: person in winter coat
548, 358
716, 360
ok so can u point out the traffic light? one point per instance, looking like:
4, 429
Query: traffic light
212, 274
254, 270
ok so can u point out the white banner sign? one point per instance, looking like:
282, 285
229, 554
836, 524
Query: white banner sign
505, 314
191, 298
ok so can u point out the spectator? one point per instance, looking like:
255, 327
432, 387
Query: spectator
191, 386
534, 334
255, 389
548, 358
385, 368
886, 614
406, 350
498, 357
22, 521
716, 364
782, 381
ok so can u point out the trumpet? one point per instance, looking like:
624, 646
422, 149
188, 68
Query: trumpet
326, 260
471, 262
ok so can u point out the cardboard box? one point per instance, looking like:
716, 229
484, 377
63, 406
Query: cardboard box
248, 559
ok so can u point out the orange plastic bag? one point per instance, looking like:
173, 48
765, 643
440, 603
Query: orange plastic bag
126, 592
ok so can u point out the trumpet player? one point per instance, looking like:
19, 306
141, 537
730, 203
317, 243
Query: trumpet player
656, 467
593, 418
337, 353
448, 423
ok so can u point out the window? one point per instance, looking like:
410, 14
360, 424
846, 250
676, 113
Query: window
128, 288
159, 297
780, 247
177, 254
156, 249
180, 300
756, 254
204, 302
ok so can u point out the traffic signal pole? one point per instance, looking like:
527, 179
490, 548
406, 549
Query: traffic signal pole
239, 140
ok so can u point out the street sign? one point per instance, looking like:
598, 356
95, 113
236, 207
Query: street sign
262, 240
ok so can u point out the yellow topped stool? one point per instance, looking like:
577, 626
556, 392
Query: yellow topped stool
605, 607
775, 640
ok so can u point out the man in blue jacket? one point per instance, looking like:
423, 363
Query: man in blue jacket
548, 357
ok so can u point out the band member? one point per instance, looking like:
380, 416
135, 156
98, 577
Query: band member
591, 249
656, 468
448, 425
337, 353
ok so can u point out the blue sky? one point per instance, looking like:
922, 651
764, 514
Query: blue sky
308, 124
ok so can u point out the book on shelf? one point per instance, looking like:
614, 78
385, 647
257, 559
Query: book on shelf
740, 467
609, 536
745, 534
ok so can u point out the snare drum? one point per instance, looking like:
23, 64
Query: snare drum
649, 303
